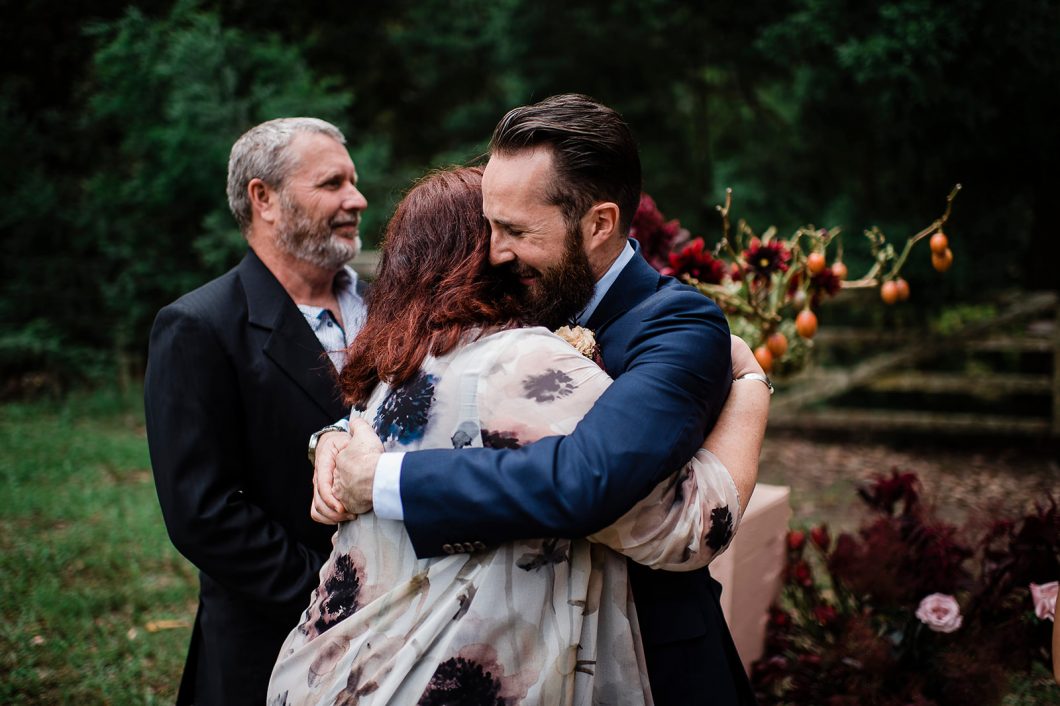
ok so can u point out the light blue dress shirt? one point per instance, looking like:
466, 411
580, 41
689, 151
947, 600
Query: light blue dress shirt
333, 337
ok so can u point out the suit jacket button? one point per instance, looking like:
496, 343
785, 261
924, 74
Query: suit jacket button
480, 546
468, 548
447, 548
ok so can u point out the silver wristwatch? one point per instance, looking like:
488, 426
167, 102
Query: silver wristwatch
757, 376
315, 438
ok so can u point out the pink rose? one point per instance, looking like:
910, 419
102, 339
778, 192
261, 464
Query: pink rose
1044, 598
940, 612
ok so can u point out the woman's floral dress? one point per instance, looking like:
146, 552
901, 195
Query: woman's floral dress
546, 621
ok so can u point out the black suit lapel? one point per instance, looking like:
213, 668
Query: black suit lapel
291, 344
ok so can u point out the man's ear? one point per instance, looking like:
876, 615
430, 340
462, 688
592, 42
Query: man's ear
600, 225
264, 200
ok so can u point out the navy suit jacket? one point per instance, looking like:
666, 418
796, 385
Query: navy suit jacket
236, 382
668, 348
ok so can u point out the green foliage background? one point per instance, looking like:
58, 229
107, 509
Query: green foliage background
116, 120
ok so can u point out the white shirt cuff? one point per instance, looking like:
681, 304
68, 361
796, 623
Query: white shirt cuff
344, 423
386, 489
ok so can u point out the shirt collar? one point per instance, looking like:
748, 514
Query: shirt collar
604, 283
351, 305
350, 302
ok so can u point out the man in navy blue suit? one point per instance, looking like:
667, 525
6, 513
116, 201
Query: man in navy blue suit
559, 191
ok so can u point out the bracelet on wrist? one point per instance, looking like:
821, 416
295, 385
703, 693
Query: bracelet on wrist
764, 379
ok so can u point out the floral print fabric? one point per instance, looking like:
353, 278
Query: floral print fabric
548, 621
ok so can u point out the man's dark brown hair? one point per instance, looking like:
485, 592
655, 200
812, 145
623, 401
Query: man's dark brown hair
593, 152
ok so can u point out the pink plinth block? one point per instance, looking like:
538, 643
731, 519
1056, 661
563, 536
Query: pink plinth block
751, 569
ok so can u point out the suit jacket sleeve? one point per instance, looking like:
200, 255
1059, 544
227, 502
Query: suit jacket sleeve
196, 430
673, 373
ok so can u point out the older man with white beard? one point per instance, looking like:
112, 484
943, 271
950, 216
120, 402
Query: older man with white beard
240, 372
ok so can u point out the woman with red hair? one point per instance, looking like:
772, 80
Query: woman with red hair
446, 360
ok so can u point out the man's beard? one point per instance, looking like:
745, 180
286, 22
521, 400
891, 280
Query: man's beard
311, 240
558, 293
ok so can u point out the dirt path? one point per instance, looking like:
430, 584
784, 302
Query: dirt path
959, 478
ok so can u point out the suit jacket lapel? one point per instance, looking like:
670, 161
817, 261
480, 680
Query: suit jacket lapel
637, 281
291, 343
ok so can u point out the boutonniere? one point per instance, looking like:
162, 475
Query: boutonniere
583, 340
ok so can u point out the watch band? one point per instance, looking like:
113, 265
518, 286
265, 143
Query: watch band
757, 376
315, 438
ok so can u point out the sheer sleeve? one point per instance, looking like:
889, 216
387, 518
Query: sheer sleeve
537, 385
686, 520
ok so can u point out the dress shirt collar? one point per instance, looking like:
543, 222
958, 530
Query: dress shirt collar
334, 338
604, 283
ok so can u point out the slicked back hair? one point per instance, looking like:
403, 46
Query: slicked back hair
263, 152
593, 152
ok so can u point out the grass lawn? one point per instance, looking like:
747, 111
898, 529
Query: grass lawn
87, 570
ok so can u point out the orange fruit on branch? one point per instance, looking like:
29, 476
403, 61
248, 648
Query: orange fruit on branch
806, 323
839, 270
939, 243
777, 343
764, 358
889, 292
815, 263
903, 289
942, 262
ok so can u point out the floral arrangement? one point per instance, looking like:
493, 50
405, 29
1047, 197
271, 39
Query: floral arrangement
768, 286
911, 609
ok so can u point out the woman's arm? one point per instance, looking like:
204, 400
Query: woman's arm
692, 516
736, 438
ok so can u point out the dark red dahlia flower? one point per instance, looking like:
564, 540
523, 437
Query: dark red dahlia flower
763, 259
696, 261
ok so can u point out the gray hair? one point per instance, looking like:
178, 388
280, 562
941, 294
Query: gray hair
262, 153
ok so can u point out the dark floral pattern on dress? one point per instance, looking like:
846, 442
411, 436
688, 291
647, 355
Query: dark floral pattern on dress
404, 413
552, 552
500, 440
548, 386
462, 682
464, 435
341, 591
720, 527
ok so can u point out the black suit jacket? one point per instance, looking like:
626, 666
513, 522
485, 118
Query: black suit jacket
236, 382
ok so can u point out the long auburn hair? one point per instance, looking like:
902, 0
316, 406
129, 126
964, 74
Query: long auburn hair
435, 284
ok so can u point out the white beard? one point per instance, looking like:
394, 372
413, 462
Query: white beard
312, 240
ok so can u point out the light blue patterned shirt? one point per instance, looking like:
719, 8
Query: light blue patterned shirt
332, 336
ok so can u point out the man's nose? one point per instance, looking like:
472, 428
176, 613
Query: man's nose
353, 199
500, 252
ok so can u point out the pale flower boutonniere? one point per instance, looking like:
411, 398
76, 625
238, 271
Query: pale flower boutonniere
583, 340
